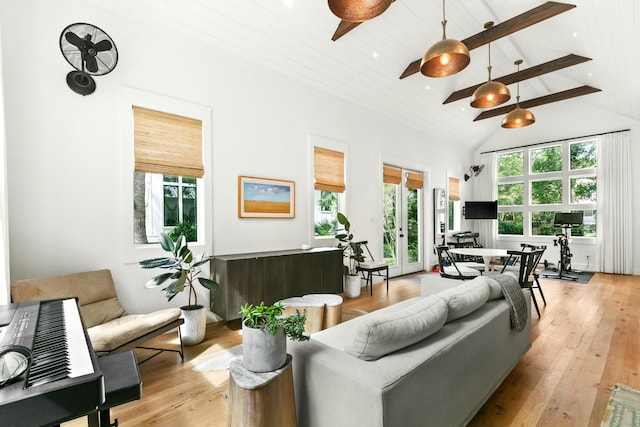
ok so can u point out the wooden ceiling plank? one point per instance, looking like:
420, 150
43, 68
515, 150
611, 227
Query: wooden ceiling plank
510, 26
535, 71
536, 102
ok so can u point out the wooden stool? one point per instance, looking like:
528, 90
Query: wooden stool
314, 311
332, 308
261, 399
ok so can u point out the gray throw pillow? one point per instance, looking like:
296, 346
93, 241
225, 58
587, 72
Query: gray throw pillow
465, 298
389, 332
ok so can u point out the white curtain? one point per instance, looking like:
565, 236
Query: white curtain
615, 225
485, 189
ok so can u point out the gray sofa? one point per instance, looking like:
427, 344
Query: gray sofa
443, 379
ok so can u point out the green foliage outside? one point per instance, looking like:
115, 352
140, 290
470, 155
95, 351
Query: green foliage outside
583, 155
413, 238
546, 192
389, 217
583, 189
511, 164
542, 223
187, 229
511, 194
548, 159
510, 223
326, 228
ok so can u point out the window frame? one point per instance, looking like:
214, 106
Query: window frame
329, 144
130, 97
565, 175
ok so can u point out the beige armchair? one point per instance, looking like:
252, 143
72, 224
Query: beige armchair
109, 327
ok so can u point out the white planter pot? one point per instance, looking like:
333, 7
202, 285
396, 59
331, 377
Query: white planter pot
261, 351
195, 324
352, 286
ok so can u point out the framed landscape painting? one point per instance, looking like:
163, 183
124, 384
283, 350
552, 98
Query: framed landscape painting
266, 198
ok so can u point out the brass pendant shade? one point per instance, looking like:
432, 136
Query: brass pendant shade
446, 57
518, 118
491, 93
358, 10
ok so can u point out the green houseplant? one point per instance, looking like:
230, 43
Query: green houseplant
264, 328
353, 252
182, 270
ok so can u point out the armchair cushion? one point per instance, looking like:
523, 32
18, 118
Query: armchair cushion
115, 333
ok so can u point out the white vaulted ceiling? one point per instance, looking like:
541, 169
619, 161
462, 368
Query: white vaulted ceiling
293, 37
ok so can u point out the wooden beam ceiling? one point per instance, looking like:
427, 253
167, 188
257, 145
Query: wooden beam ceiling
510, 26
547, 99
535, 71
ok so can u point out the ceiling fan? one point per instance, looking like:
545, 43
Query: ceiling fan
510, 26
91, 52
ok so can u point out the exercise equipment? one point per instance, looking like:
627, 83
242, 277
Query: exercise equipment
565, 221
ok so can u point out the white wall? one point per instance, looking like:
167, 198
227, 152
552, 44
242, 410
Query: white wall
64, 151
551, 127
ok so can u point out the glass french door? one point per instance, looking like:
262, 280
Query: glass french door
402, 215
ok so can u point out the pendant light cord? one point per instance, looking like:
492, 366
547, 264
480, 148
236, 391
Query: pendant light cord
444, 22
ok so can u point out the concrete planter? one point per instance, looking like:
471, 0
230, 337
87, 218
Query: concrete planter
261, 351
352, 286
195, 324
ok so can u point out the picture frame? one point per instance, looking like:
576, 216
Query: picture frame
266, 198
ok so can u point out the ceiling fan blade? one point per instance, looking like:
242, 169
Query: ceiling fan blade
73, 39
535, 102
92, 64
510, 26
535, 71
102, 45
344, 27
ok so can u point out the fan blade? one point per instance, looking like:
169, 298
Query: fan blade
510, 26
547, 99
92, 64
73, 39
102, 45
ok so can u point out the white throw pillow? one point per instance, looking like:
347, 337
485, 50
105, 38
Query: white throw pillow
465, 298
385, 333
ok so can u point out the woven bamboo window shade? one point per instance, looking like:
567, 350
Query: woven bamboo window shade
167, 144
414, 180
454, 189
328, 170
391, 175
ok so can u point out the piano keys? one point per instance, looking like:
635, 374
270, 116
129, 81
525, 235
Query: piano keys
64, 380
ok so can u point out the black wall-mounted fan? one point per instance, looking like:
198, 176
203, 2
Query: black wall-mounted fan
91, 52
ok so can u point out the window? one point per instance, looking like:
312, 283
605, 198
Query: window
168, 168
535, 183
329, 189
453, 207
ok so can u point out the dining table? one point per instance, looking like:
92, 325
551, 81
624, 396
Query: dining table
487, 254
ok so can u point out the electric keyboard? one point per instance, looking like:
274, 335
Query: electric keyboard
63, 381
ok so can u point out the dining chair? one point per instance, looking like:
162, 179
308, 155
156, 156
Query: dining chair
525, 263
370, 267
450, 269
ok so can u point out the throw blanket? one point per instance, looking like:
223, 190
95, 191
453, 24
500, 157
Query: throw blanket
514, 296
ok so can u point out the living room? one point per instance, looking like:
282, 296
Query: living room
66, 190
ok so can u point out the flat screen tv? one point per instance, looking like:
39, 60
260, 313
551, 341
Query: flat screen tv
568, 218
481, 210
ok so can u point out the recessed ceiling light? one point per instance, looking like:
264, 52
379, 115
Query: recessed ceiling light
428, 87
288, 3
575, 34
374, 54
589, 74
462, 109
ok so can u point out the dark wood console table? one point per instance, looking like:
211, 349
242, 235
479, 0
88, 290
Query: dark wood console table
272, 276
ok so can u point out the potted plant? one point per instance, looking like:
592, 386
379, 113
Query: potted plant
353, 252
182, 273
264, 328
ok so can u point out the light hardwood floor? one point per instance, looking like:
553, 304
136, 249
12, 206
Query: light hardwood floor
586, 341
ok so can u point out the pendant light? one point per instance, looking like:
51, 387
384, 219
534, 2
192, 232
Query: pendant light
358, 10
446, 57
491, 93
519, 117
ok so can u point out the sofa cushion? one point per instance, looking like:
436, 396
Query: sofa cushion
465, 298
388, 332
101, 312
111, 335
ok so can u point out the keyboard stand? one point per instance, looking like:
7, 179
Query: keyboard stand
122, 384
